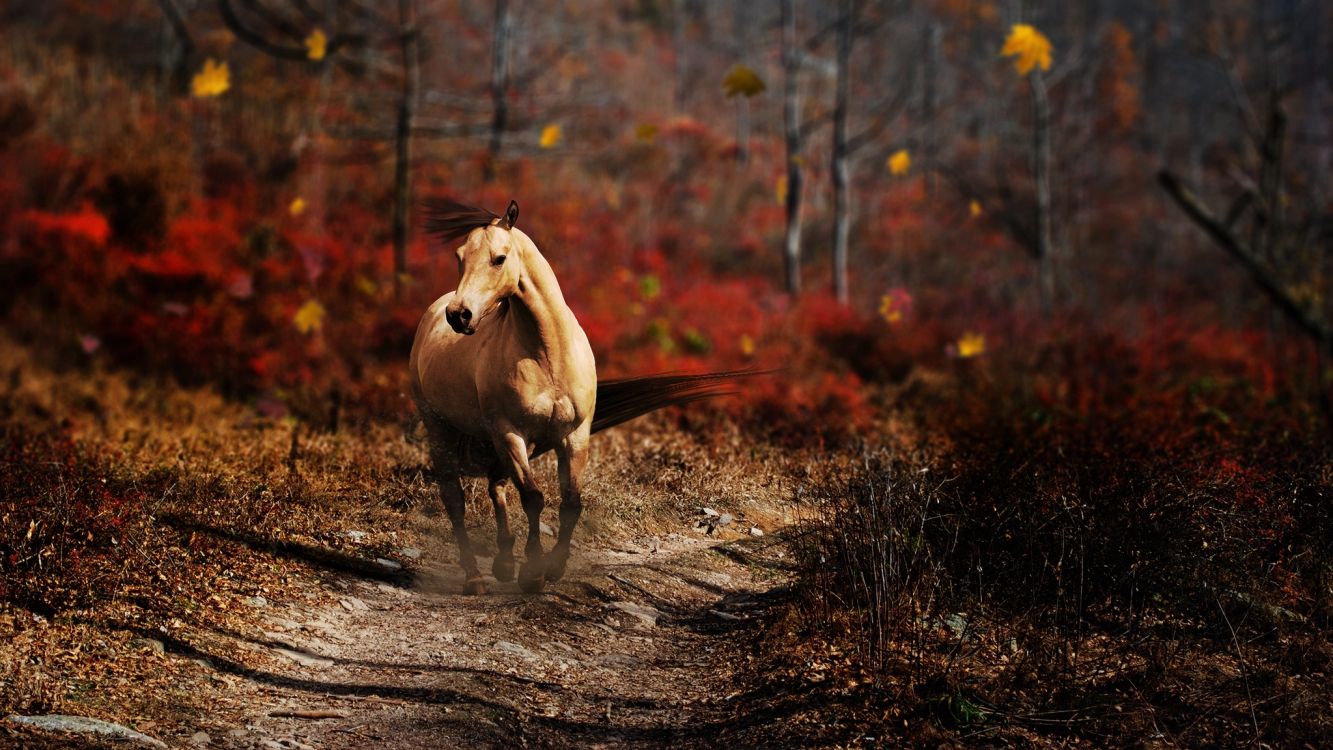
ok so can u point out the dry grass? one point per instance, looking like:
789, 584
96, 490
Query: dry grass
221, 504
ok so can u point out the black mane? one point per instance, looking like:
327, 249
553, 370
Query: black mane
448, 219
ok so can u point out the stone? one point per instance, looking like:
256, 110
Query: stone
411, 553
387, 563
353, 604
200, 739
709, 512
256, 601
547, 530
646, 615
725, 519
357, 536
83, 725
516, 650
306, 660
150, 644
756, 531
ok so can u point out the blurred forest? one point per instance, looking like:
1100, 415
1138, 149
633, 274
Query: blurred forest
244, 176
1073, 255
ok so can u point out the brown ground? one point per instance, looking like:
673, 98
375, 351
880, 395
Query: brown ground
249, 596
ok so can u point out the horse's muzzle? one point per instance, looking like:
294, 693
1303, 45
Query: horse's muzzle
460, 320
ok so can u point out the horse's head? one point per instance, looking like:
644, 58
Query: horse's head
489, 263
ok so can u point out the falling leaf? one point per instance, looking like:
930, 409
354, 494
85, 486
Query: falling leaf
742, 81
895, 305
297, 207
970, 345
974, 209
366, 286
650, 286
747, 345
646, 132
213, 80
1029, 48
310, 317
316, 45
900, 162
550, 136
781, 190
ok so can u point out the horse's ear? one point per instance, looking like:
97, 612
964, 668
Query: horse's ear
511, 215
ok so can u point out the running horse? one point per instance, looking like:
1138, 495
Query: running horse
502, 372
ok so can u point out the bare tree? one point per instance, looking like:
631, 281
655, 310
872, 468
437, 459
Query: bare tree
791, 108
883, 113
402, 170
841, 210
1041, 178
499, 83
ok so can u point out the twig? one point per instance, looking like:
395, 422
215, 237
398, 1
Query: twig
313, 713
1244, 672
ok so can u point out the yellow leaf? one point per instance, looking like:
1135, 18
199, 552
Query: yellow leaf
900, 162
646, 132
974, 209
1029, 48
550, 136
310, 317
316, 45
889, 310
781, 190
366, 286
747, 345
213, 80
971, 345
742, 81
297, 207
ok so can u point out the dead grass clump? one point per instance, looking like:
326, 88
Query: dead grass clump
1086, 579
70, 529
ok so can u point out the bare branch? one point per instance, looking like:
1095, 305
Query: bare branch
1259, 272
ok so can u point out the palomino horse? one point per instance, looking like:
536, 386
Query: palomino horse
502, 372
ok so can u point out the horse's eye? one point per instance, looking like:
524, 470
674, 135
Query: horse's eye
499, 260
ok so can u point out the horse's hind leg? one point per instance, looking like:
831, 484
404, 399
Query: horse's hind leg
572, 454
503, 565
513, 450
444, 459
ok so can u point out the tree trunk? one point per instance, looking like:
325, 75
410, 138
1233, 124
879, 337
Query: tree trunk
841, 189
741, 29
791, 62
407, 105
678, 49
499, 84
928, 94
1041, 167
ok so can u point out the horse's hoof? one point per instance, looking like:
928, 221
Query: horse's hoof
531, 578
503, 567
555, 567
475, 586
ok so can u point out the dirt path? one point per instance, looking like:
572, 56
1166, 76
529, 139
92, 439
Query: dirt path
639, 647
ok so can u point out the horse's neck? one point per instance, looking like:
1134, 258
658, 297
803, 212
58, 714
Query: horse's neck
543, 318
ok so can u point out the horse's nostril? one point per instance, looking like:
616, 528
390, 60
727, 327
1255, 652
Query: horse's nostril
465, 314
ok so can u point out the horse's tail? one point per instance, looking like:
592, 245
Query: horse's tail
621, 399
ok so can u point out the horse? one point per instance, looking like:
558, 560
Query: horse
501, 372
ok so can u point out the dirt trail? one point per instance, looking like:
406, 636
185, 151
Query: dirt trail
638, 647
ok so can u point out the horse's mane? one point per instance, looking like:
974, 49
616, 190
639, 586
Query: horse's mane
448, 219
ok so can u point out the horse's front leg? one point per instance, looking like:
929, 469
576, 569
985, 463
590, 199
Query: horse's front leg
513, 450
572, 453
502, 567
444, 460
